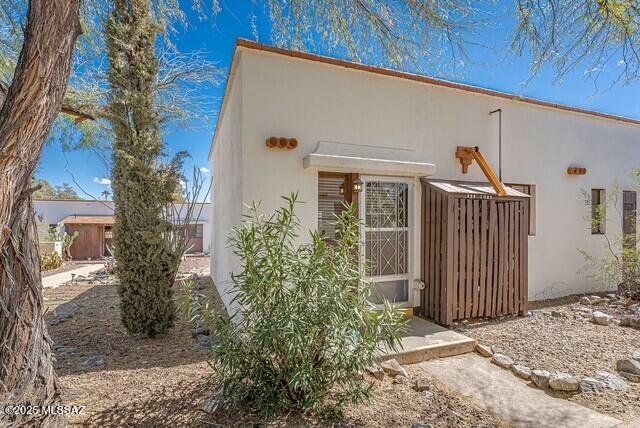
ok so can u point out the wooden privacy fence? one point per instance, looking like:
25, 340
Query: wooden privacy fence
474, 247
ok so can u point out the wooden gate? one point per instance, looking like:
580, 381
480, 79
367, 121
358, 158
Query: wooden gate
474, 247
89, 242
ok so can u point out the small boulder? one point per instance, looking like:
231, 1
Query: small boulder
601, 318
628, 365
421, 385
199, 331
502, 361
557, 314
540, 378
612, 381
484, 350
630, 377
421, 425
521, 371
376, 371
589, 384
630, 321
560, 381
393, 368
402, 380
95, 361
636, 356
212, 404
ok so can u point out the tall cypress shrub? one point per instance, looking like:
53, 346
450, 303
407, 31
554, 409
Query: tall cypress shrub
142, 185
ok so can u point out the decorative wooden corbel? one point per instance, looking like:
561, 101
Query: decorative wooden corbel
281, 143
468, 154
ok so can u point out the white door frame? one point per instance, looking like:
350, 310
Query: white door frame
410, 232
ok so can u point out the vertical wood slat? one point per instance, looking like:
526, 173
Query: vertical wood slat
500, 261
510, 237
469, 266
493, 218
446, 301
483, 257
462, 269
516, 259
432, 273
524, 258
456, 249
437, 266
476, 257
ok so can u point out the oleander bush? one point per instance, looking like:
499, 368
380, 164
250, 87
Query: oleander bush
305, 330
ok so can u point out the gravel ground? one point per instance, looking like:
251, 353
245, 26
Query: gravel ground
562, 343
164, 381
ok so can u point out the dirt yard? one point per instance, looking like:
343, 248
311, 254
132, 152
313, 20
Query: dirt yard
124, 381
551, 338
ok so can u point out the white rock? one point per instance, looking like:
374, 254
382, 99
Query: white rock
484, 350
393, 368
502, 361
521, 371
376, 371
421, 385
636, 356
612, 381
540, 378
589, 384
560, 381
601, 318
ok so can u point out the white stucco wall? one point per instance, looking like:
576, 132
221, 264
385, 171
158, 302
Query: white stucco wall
314, 102
53, 211
227, 174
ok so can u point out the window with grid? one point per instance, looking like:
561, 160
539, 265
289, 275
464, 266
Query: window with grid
331, 202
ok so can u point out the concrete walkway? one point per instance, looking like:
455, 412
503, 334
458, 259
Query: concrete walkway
58, 279
426, 340
510, 398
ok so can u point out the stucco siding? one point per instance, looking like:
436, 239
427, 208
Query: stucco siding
228, 177
318, 102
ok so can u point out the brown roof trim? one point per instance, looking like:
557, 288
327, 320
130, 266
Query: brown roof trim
428, 80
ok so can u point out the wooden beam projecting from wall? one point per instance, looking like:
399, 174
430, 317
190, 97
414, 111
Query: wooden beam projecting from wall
468, 154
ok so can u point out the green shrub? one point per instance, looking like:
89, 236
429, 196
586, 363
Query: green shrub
50, 261
305, 331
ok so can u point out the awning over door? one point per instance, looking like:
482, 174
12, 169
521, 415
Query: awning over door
341, 157
89, 219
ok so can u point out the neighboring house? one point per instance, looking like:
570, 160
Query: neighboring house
334, 130
94, 220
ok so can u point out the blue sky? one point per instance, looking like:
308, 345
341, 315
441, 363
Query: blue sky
492, 66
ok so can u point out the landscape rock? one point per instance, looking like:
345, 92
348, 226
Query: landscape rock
630, 321
630, 377
198, 331
376, 371
589, 384
612, 381
502, 361
95, 361
628, 365
540, 378
636, 356
402, 380
484, 350
601, 318
206, 341
421, 385
393, 368
560, 381
212, 404
557, 314
521, 371
421, 425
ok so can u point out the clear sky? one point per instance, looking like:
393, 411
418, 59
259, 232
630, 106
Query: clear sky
492, 66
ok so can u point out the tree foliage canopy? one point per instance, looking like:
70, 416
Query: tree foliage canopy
593, 33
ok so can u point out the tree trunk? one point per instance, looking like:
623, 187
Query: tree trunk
32, 103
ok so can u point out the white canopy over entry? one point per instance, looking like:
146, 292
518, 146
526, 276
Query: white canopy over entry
342, 157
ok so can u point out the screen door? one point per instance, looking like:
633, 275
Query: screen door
386, 237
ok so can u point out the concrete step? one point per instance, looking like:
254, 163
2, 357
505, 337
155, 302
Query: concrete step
426, 340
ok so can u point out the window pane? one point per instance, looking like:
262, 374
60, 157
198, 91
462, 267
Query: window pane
386, 252
386, 204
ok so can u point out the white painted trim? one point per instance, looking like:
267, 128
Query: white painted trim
346, 164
